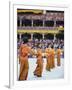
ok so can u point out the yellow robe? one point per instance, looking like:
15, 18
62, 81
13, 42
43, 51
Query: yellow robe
52, 58
23, 59
58, 57
39, 68
48, 57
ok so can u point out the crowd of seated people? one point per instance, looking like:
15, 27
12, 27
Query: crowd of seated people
44, 44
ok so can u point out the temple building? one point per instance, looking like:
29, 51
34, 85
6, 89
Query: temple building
42, 22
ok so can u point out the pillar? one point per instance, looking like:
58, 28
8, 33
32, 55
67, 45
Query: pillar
54, 37
31, 36
54, 23
20, 22
43, 35
32, 23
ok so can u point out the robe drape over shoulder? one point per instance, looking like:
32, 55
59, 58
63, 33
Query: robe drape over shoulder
58, 57
52, 58
39, 68
23, 59
48, 58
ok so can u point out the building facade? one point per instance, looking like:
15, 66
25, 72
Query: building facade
39, 21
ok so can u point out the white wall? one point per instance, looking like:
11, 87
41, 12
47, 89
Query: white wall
4, 42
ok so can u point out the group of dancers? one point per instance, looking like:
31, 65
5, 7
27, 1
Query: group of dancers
49, 53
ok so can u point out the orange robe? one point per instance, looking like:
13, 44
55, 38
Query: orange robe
52, 58
58, 57
23, 59
48, 57
39, 68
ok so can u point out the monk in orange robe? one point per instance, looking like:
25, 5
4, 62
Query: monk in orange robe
58, 57
23, 59
52, 57
48, 57
39, 68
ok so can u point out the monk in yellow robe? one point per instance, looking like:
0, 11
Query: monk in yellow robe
48, 57
58, 57
52, 57
39, 68
23, 59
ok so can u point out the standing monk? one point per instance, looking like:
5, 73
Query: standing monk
52, 57
39, 68
58, 57
48, 57
23, 59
